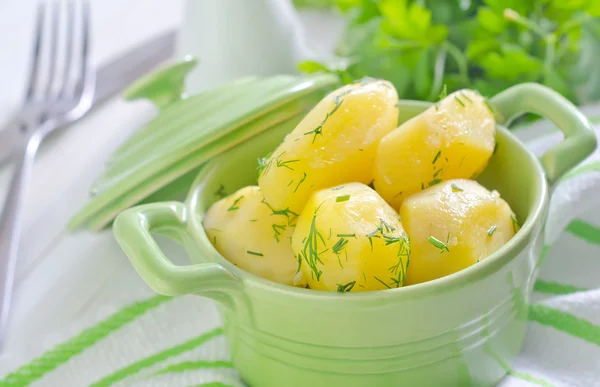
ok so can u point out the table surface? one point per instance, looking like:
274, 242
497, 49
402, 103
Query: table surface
64, 279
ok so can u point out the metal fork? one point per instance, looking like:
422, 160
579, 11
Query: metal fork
50, 103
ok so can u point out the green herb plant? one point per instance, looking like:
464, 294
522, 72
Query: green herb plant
487, 45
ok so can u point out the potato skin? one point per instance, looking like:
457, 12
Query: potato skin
452, 139
247, 232
335, 143
469, 220
348, 239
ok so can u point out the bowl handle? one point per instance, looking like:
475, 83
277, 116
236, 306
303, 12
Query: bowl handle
579, 141
132, 230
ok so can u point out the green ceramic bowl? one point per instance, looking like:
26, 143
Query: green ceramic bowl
459, 330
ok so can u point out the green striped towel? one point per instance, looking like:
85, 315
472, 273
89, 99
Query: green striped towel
164, 341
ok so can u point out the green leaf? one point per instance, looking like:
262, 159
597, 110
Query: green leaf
479, 48
309, 67
513, 65
491, 21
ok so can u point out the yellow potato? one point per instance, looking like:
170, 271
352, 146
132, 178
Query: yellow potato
335, 143
348, 238
452, 139
454, 225
248, 233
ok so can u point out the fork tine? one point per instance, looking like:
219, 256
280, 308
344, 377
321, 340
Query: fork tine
68, 48
54, 32
35, 61
86, 70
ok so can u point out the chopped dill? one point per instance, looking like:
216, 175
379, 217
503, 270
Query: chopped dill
398, 194
361, 150
221, 192
278, 229
319, 129
459, 101
342, 198
492, 230
263, 165
443, 93
214, 240
438, 244
339, 246
284, 164
515, 224
466, 97
311, 247
253, 220
462, 161
347, 235
345, 288
290, 183
422, 186
255, 253
384, 284
456, 188
495, 147
289, 214
437, 156
300, 182
438, 172
337, 188
329, 234
234, 206
434, 182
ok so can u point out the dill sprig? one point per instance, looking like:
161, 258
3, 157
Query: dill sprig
456, 188
310, 251
347, 235
234, 206
289, 214
300, 182
319, 129
337, 249
434, 182
342, 198
221, 192
459, 101
437, 156
438, 244
384, 284
255, 253
466, 97
492, 230
263, 164
284, 164
345, 288
516, 226
278, 229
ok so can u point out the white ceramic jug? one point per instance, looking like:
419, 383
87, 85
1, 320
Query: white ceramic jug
234, 38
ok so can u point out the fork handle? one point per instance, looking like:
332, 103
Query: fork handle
10, 227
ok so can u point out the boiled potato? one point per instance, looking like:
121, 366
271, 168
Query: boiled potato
251, 235
348, 239
335, 143
452, 139
453, 225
